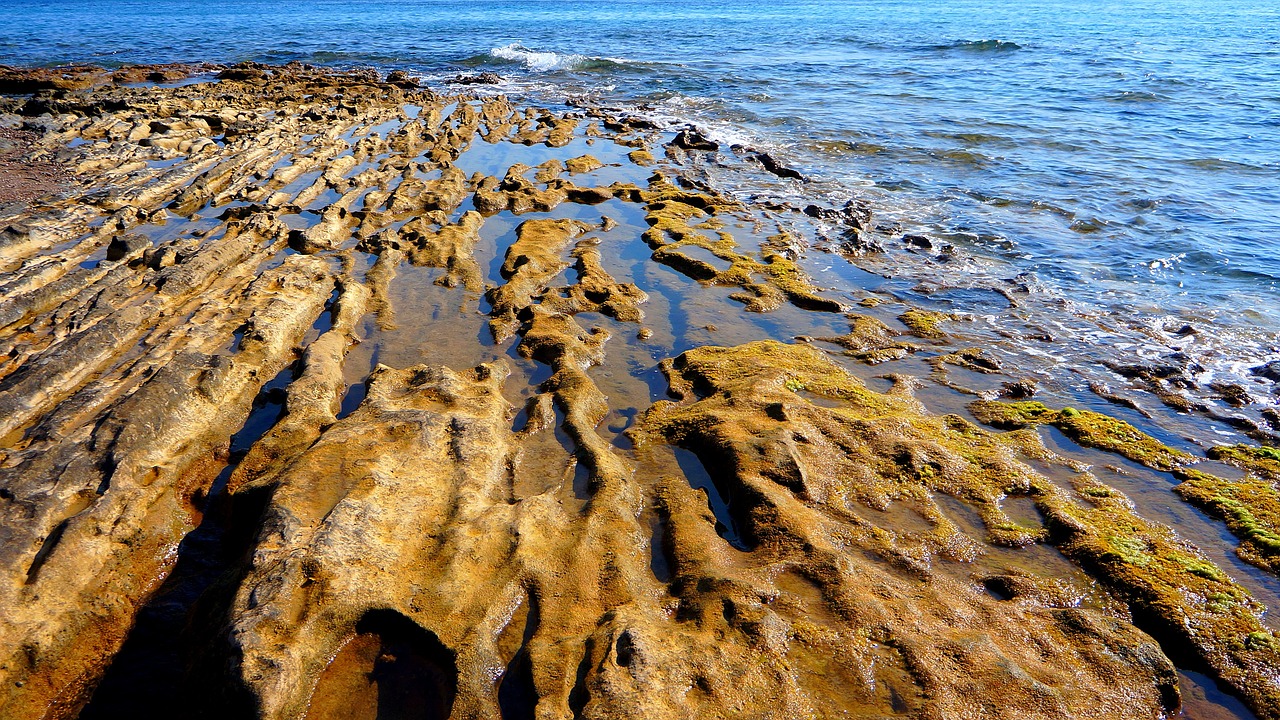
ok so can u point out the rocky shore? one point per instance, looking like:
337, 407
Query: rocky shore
323, 394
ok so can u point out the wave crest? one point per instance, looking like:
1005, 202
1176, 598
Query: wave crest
980, 46
545, 61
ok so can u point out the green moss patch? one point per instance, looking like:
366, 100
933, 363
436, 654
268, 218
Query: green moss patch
1263, 461
750, 411
1086, 427
924, 323
1250, 508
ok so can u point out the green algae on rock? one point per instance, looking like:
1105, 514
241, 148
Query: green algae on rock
745, 409
1090, 429
669, 211
1262, 460
924, 323
642, 158
975, 359
796, 472
1174, 589
582, 164
1250, 507
871, 341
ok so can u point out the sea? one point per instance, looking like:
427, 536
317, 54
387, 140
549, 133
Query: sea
1117, 162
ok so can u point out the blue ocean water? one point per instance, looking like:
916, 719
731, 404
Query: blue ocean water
1122, 156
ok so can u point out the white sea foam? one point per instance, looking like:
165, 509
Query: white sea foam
533, 60
545, 61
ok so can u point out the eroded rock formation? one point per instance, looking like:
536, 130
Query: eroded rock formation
328, 396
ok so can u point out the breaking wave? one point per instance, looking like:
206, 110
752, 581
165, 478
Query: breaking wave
980, 46
546, 61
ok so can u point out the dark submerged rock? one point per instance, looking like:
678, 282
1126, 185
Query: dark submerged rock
484, 78
1270, 371
771, 164
689, 139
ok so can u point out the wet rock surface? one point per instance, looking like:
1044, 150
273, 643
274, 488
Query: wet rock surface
325, 395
